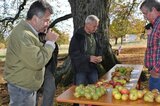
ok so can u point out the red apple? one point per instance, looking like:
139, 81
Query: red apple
111, 82
118, 83
124, 91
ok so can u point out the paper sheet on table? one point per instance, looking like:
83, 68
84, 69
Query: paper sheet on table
135, 71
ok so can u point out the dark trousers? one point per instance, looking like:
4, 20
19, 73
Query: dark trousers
86, 78
48, 89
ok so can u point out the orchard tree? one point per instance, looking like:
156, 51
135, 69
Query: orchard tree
63, 37
119, 28
122, 14
137, 26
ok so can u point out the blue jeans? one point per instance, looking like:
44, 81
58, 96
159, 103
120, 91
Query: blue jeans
154, 83
21, 96
87, 77
48, 89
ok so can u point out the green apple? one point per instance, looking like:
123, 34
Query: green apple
88, 96
82, 92
123, 81
140, 93
95, 96
98, 93
145, 91
119, 87
157, 98
133, 90
155, 92
76, 94
149, 97
87, 90
133, 96
124, 97
79, 88
114, 91
117, 96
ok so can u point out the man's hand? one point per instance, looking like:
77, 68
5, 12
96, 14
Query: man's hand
95, 59
51, 36
99, 59
154, 74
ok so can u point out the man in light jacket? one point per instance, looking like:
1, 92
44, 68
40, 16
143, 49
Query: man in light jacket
26, 56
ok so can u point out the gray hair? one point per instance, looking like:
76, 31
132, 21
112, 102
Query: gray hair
149, 4
38, 8
91, 18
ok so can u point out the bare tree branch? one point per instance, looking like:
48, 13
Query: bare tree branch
60, 19
130, 10
12, 19
8, 20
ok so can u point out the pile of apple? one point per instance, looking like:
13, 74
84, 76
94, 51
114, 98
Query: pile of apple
120, 76
111, 83
103, 82
89, 92
122, 93
122, 73
117, 82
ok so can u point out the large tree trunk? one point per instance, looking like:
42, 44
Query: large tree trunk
80, 10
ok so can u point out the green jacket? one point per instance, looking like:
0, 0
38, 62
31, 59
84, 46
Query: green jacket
26, 58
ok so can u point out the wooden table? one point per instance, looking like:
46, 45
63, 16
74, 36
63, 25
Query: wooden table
107, 99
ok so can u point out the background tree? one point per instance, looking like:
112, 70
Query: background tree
119, 28
122, 14
63, 37
137, 26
